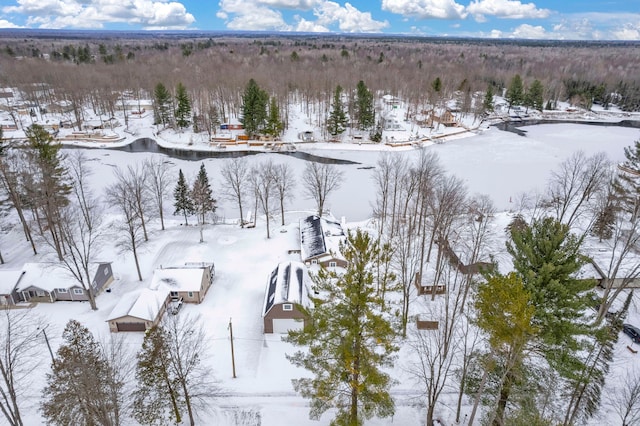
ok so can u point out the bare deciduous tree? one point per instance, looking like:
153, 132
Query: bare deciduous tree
319, 180
235, 176
573, 186
159, 181
119, 196
285, 184
263, 183
626, 400
20, 344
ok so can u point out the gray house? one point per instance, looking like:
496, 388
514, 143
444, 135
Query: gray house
8, 282
45, 282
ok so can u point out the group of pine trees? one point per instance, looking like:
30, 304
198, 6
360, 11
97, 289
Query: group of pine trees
198, 200
94, 383
168, 110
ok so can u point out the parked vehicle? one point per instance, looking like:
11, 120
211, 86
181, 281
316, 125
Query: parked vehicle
631, 331
174, 305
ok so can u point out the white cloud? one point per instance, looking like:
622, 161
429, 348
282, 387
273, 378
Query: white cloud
348, 18
529, 31
290, 4
255, 15
6, 24
426, 9
627, 33
95, 13
305, 26
508, 9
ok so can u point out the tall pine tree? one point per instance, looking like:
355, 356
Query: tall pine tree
274, 126
364, 111
182, 198
515, 92
80, 387
487, 104
350, 340
546, 256
156, 397
202, 195
162, 105
183, 107
337, 121
254, 109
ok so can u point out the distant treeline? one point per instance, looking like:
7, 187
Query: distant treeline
310, 66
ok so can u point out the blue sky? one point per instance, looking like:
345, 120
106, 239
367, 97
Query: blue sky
538, 19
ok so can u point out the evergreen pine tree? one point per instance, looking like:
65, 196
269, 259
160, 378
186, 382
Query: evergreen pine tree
364, 111
515, 92
183, 106
337, 121
156, 396
162, 105
487, 104
535, 95
254, 109
202, 195
49, 185
79, 387
274, 125
182, 199
546, 256
349, 339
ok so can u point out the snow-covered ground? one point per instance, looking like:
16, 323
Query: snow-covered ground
493, 162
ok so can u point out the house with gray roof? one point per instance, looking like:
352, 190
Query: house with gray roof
288, 288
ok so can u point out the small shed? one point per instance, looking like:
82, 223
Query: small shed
288, 288
138, 310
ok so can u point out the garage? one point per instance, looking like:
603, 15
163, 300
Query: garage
131, 326
283, 325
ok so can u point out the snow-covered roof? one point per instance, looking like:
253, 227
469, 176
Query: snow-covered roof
145, 304
319, 236
178, 279
49, 276
46, 276
288, 283
8, 280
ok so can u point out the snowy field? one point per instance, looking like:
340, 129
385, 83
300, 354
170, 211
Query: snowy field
495, 162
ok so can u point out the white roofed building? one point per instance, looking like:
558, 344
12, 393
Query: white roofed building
139, 310
191, 281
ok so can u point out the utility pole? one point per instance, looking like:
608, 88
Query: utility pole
46, 339
233, 360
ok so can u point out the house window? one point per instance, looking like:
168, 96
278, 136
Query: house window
174, 294
39, 293
61, 290
314, 262
287, 307
106, 271
332, 264
78, 291
190, 294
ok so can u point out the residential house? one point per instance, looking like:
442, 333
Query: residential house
190, 282
319, 242
288, 288
8, 282
139, 310
45, 282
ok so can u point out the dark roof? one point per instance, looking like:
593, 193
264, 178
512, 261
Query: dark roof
312, 237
